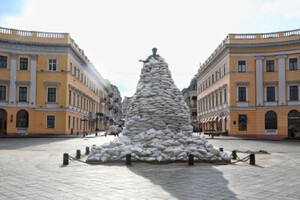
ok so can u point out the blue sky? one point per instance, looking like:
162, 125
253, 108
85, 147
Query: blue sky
10, 8
115, 34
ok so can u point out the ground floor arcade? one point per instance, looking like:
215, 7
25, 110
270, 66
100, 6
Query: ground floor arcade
268, 123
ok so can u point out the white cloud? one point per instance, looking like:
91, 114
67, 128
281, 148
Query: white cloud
115, 34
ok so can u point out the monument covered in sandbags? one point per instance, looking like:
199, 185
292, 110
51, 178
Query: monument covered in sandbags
157, 127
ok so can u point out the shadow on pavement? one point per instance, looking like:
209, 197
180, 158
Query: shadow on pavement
200, 181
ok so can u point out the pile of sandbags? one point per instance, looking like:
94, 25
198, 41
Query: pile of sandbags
157, 127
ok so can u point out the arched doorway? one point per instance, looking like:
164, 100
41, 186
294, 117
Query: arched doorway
22, 119
294, 124
271, 122
3, 122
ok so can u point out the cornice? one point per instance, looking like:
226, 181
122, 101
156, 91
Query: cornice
34, 43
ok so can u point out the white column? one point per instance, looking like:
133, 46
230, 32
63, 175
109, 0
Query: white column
12, 85
33, 80
259, 80
281, 79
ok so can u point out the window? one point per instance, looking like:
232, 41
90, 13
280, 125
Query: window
221, 97
77, 123
52, 65
270, 66
70, 97
74, 99
225, 69
293, 64
24, 64
217, 100
212, 101
271, 120
216, 75
73, 122
241, 66
2, 93
22, 94
71, 68
22, 119
50, 121
213, 78
242, 94
69, 121
3, 62
75, 71
52, 95
225, 95
270, 93
294, 93
242, 122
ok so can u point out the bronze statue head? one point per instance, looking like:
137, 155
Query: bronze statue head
154, 50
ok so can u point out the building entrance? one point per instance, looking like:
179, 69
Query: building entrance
294, 124
3, 122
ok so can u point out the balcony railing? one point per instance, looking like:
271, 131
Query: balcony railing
47, 37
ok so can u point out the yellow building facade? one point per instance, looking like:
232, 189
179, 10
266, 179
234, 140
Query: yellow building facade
48, 86
250, 86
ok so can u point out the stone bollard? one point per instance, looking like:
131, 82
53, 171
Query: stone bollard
128, 159
87, 150
78, 154
66, 159
234, 155
252, 159
191, 159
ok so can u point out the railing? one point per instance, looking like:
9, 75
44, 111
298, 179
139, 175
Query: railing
50, 35
290, 33
269, 35
24, 33
244, 36
5, 30
33, 35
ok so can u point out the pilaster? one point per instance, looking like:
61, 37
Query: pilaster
281, 79
259, 80
12, 85
32, 97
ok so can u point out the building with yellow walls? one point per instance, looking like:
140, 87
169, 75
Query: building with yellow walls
250, 86
48, 86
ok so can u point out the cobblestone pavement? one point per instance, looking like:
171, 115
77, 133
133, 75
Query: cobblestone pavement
31, 168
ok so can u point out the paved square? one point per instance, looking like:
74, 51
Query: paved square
31, 168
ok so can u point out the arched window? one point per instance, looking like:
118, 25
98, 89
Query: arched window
271, 120
22, 119
294, 124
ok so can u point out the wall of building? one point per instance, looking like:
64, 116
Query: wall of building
255, 50
71, 116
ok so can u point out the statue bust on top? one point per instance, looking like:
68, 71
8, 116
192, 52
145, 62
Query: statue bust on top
154, 55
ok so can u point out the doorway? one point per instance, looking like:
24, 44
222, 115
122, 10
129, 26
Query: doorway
294, 124
3, 122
